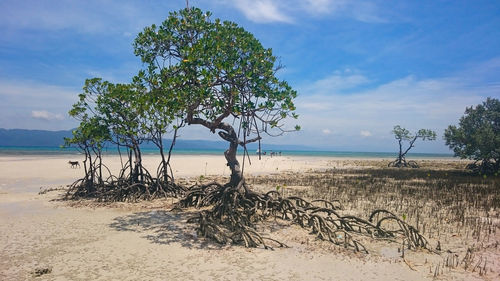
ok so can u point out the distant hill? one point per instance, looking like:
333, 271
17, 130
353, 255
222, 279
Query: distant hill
20, 137
222, 145
33, 138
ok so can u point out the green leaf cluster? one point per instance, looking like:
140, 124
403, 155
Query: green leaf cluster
404, 134
213, 69
193, 68
477, 135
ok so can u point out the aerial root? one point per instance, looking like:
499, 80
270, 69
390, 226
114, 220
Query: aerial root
403, 164
201, 196
234, 215
410, 233
115, 189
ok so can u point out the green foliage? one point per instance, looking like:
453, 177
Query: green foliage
214, 70
477, 135
119, 107
403, 134
92, 131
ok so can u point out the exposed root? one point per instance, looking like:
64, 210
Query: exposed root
402, 163
124, 189
235, 212
413, 237
484, 167
201, 196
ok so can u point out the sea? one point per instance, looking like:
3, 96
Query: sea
55, 151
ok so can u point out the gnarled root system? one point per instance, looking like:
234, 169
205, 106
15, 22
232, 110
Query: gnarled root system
402, 163
235, 212
124, 188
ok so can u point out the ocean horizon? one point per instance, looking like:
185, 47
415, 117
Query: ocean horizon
54, 151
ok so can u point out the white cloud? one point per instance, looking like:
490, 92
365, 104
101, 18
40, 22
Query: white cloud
288, 11
315, 106
262, 11
21, 101
364, 11
28, 92
365, 133
326, 131
372, 111
45, 115
319, 6
336, 83
81, 16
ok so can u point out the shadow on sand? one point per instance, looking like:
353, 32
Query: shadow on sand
163, 227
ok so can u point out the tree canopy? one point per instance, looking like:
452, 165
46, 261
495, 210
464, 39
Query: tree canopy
197, 71
477, 135
215, 70
218, 76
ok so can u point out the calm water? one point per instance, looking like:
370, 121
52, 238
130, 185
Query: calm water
54, 151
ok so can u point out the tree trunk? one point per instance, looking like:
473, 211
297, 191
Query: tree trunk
170, 155
228, 134
137, 177
120, 153
101, 181
91, 181
130, 163
139, 165
163, 161
234, 164
400, 156
85, 164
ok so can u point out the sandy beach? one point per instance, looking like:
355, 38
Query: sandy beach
145, 241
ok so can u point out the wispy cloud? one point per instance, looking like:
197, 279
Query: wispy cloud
262, 11
29, 92
21, 102
321, 6
45, 115
407, 100
373, 111
289, 11
81, 16
364, 11
336, 83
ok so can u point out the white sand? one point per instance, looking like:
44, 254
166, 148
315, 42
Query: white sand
145, 242
29, 173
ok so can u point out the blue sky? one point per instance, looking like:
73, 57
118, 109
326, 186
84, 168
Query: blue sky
360, 67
